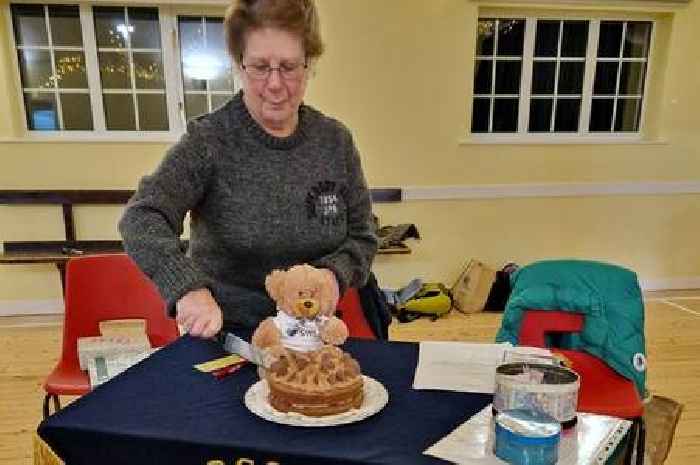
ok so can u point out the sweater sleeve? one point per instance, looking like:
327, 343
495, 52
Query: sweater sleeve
352, 261
152, 222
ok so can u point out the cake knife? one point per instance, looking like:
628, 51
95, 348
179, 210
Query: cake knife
235, 345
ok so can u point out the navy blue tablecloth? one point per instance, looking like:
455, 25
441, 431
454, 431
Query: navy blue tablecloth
162, 411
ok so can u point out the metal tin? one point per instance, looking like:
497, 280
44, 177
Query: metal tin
546, 388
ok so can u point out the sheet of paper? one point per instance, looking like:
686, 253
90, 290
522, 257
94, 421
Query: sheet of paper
469, 367
590, 442
458, 366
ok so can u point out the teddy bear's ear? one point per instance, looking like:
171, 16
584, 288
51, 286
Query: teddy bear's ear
274, 282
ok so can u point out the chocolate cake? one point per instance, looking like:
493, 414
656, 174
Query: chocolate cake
324, 382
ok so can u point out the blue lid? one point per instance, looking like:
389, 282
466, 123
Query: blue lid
524, 426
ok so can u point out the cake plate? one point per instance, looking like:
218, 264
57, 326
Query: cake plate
375, 397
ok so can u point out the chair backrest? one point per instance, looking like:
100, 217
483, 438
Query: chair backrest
537, 324
110, 287
350, 309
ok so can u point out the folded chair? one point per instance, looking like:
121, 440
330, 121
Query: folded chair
101, 288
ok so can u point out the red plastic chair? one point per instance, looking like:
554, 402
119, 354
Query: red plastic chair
350, 311
602, 390
101, 288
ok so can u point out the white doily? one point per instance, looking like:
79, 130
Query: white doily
374, 399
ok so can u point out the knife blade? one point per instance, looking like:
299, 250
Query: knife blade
235, 345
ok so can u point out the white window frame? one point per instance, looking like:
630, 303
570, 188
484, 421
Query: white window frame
583, 135
170, 50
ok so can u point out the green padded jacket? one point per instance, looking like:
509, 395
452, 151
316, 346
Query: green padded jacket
608, 295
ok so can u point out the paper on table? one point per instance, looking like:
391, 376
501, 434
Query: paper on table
467, 367
458, 366
590, 442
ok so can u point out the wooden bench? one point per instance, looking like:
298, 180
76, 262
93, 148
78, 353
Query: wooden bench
59, 252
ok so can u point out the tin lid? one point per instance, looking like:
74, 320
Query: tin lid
529, 426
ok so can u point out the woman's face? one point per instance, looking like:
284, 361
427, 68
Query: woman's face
273, 98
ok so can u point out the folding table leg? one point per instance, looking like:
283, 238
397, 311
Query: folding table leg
636, 443
56, 404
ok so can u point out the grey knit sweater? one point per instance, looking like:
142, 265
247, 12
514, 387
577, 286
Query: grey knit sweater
257, 203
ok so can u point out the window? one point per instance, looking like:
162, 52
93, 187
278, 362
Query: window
547, 76
51, 62
117, 69
130, 59
207, 77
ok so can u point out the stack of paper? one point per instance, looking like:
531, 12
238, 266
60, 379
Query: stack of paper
591, 441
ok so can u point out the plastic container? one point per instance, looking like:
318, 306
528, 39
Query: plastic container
527, 437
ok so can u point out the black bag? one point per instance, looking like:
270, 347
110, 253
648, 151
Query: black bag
375, 308
500, 290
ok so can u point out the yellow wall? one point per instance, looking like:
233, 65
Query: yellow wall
397, 72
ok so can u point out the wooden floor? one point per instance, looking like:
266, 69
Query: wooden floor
29, 347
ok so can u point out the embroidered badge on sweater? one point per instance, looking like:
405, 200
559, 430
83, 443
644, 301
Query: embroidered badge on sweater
322, 202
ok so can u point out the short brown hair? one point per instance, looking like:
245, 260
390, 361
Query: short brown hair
296, 16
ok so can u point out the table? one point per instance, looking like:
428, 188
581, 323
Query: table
163, 411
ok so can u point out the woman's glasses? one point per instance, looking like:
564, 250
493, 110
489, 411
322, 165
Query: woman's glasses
289, 71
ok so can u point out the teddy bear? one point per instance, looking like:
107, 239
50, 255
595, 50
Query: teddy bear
306, 298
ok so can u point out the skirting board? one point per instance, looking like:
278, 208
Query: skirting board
55, 306
31, 307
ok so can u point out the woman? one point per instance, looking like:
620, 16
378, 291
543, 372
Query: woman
268, 182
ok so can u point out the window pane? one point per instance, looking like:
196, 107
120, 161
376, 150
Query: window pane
485, 37
566, 117
148, 70
605, 78
70, 70
627, 116
195, 104
218, 100
505, 115
110, 26
146, 32
29, 25
77, 113
195, 63
35, 69
190, 32
508, 77
223, 81
153, 112
637, 39
41, 111
65, 26
543, 77
574, 39
601, 114
215, 34
571, 78
119, 112
483, 70
632, 78
610, 39
480, 115
511, 36
114, 70
547, 38
540, 114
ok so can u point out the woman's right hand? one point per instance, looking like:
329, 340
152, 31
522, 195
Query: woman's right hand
199, 314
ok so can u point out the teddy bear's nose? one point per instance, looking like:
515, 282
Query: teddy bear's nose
308, 304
